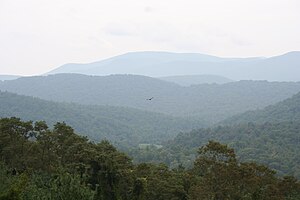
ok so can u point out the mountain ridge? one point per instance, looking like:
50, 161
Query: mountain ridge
5, 77
209, 102
158, 64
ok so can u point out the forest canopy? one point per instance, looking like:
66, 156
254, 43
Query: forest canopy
42, 163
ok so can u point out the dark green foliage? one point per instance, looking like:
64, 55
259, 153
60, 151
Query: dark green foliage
158, 182
82, 163
15, 189
222, 177
275, 145
58, 164
62, 185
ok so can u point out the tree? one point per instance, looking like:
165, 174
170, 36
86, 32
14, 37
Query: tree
221, 176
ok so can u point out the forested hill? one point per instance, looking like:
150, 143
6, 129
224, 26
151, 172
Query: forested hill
287, 110
208, 102
122, 126
275, 145
37, 162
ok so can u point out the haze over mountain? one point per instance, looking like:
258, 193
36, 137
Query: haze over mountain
209, 103
134, 63
189, 80
158, 64
269, 136
8, 77
287, 110
122, 126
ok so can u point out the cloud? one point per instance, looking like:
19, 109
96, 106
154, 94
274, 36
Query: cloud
47, 33
149, 9
121, 29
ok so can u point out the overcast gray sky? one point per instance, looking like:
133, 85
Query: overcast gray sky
39, 35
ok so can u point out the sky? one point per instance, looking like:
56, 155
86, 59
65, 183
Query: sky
37, 36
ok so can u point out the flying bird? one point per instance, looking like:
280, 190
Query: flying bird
150, 99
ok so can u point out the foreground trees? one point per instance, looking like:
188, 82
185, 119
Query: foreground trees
223, 177
39, 163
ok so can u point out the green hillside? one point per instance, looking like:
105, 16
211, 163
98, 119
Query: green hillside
287, 110
122, 126
209, 103
270, 136
37, 162
275, 145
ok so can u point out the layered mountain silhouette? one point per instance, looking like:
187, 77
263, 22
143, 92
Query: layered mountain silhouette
158, 64
122, 126
189, 80
208, 103
8, 77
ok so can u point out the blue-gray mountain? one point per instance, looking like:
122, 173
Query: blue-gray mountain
157, 64
189, 80
208, 103
8, 77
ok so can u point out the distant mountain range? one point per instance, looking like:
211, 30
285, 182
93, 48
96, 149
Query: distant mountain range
123, 126
209, 103
159, 64
140, 63
8, 77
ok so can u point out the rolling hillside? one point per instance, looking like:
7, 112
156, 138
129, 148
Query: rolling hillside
287, 110
122, 126
273, 144
269, 136
209, 103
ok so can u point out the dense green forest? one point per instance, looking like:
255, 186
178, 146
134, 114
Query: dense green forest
270, 136
164, 158
123, 126
210, 103
287, 110
42, 163
273, 144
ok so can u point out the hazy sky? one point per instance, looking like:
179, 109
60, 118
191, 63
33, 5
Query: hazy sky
39, 35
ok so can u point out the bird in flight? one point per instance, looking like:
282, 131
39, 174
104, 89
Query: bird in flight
150, 99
